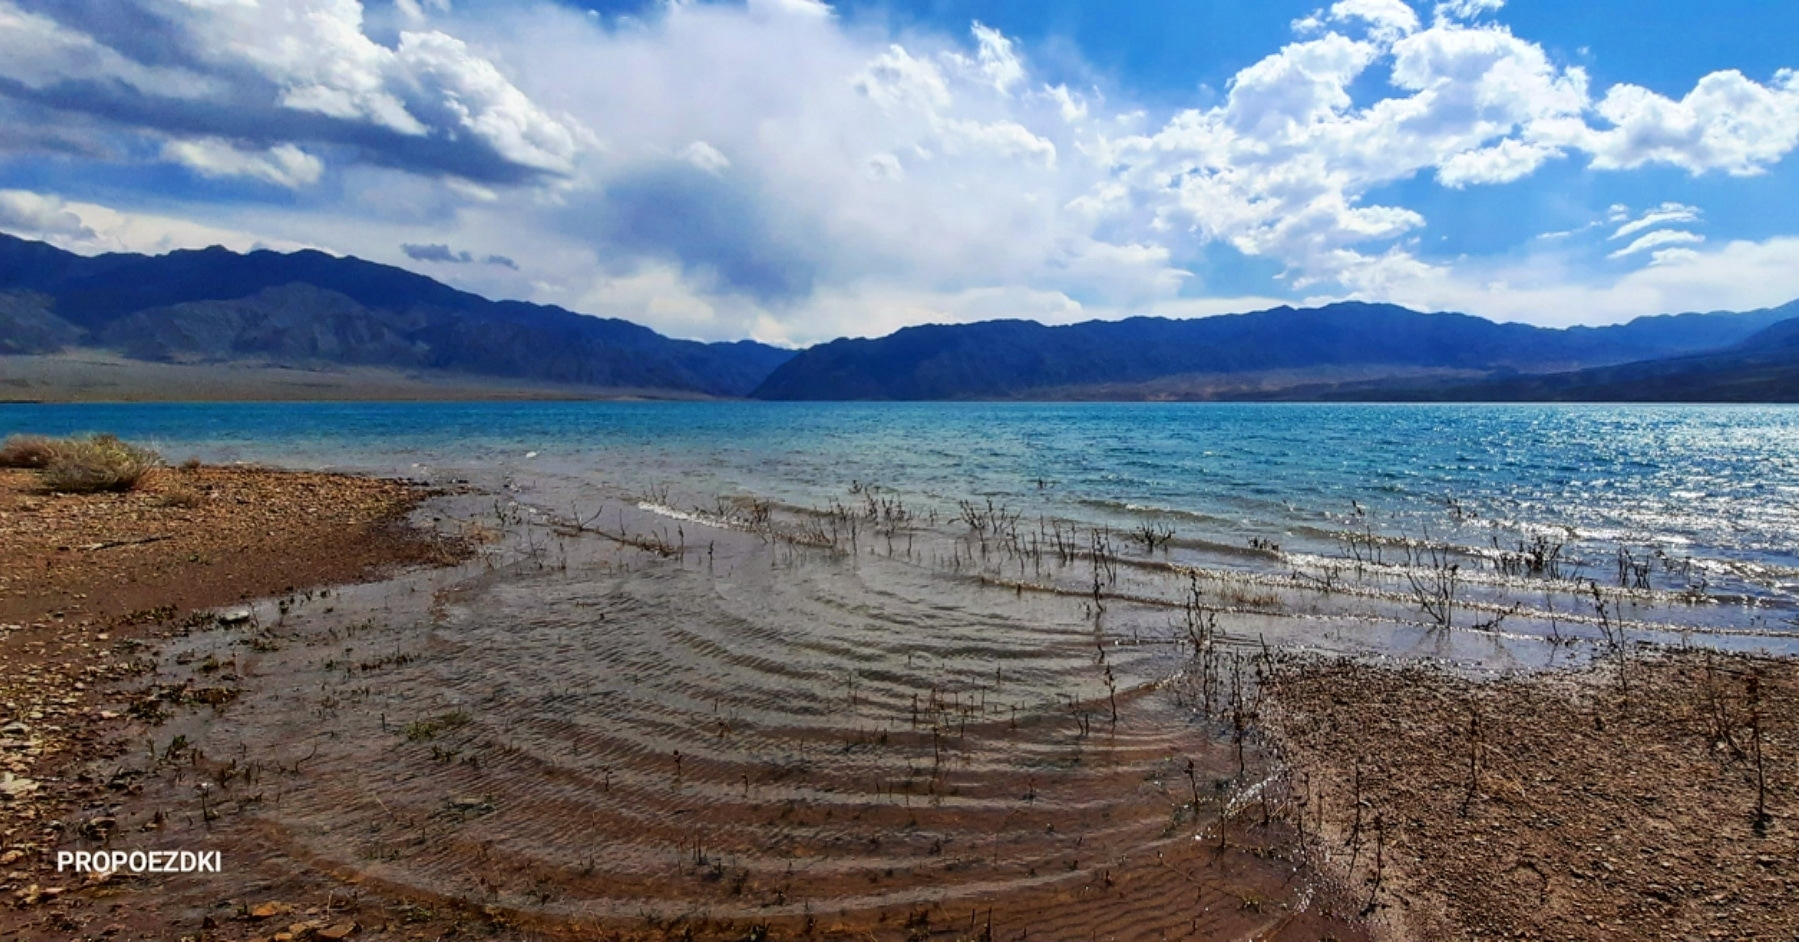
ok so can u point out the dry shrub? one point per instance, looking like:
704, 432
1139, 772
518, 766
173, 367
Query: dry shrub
26, 451
97, 463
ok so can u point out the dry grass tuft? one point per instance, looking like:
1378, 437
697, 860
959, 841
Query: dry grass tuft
97, 463
26, 451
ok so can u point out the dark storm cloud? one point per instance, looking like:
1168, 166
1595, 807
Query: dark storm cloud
435, 252
439, 252
715, 228
167, 82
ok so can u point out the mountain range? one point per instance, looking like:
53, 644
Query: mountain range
214, 305
1346, 350
310, 309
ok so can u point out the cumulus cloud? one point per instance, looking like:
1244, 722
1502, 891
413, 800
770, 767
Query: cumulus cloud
1285, 165
1555, 289
721, 170
1282, 167
1727, 122
997, 61
1388, 20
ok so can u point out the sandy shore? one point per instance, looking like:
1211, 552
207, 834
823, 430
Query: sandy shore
1572, 805
90, 583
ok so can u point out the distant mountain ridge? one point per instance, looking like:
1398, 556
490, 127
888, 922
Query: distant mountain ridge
306, 309
1761, 368
218, 305
1149, 357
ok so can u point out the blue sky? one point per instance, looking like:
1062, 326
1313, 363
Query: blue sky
795, 171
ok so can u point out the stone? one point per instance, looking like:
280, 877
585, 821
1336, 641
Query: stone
13, 788
270, 910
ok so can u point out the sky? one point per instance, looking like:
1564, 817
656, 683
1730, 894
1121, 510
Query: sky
792, 171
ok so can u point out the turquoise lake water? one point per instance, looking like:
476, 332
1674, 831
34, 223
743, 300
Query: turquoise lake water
729, 592
1710, 491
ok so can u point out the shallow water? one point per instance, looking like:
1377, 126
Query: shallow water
1705, 497
787, 660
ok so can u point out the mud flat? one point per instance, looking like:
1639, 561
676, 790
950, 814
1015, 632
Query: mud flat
1652, 800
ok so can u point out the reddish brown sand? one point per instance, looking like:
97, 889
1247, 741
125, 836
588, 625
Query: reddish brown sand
1560, 806
89, 582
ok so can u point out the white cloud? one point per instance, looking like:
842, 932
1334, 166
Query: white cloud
799, 8
1387, 20
1665, 214
1465, 9
486, 104
1555, 291
90, 228
706, 157
282, 165
1727, 122
999, 64
302, 73
315, 51
1659, 239
764, 168
1504, 162
37, 216
897, 79
1007, 139
1072, 107
39, 53
1282, 167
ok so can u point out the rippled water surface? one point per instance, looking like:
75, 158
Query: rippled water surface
1718, 485
784, 660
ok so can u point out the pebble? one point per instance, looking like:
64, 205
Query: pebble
13, 787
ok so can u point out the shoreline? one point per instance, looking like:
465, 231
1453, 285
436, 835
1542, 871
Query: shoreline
1558, 820
102, 378
91, 586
